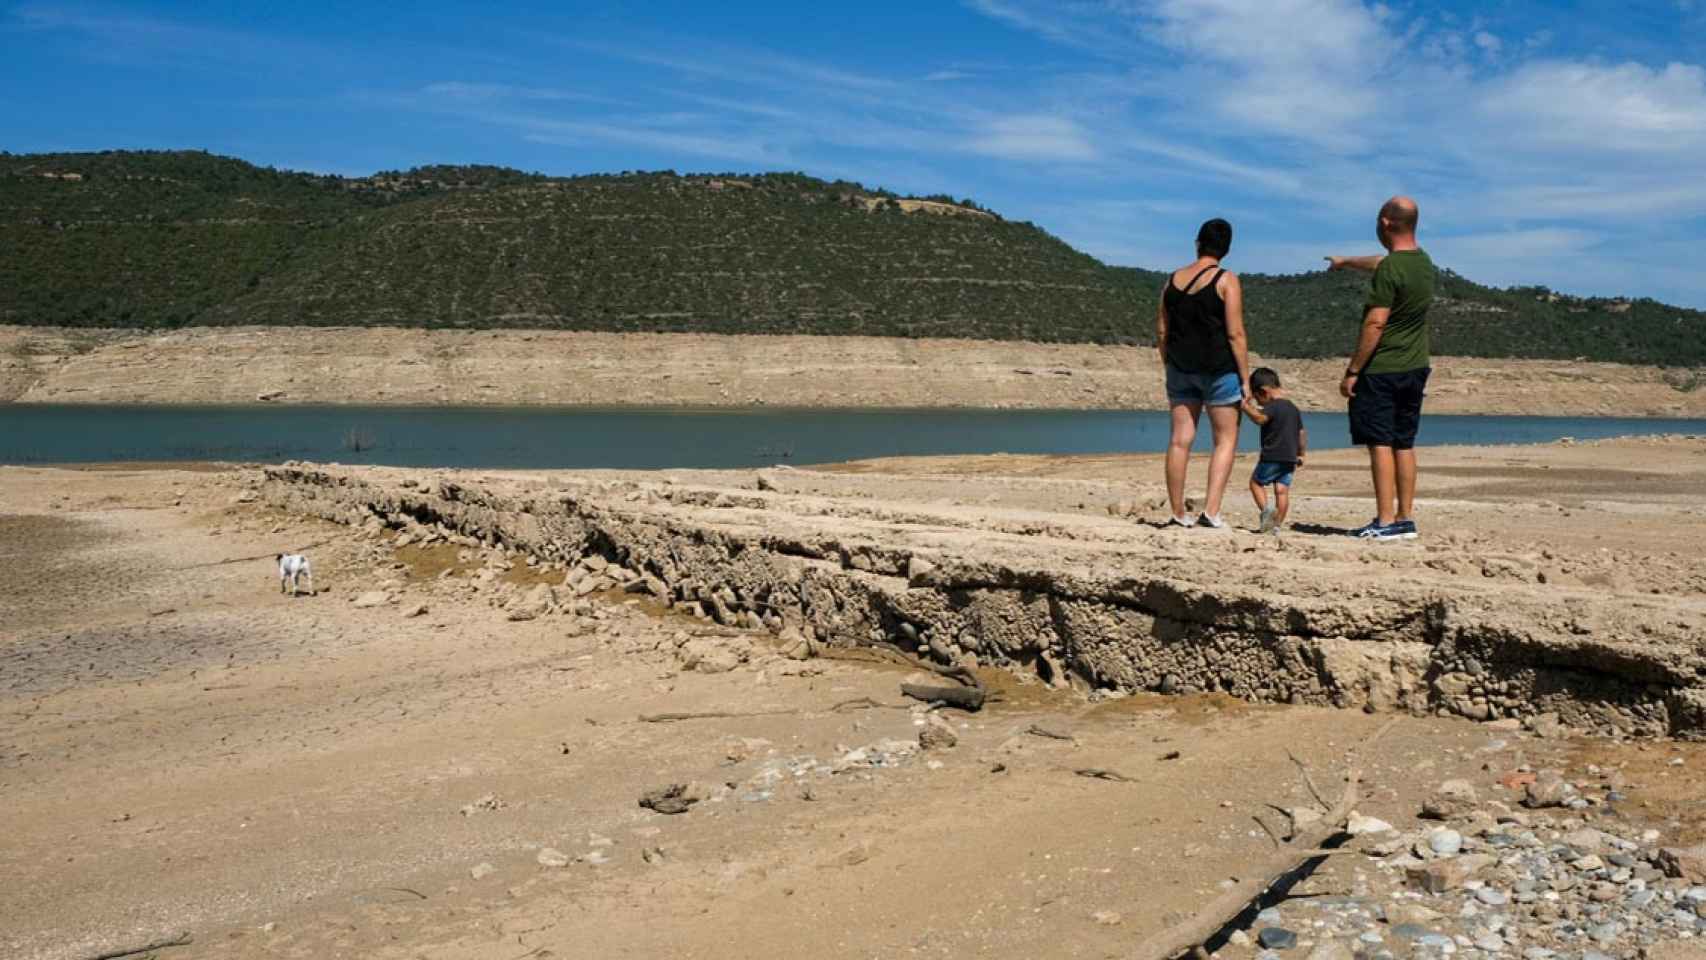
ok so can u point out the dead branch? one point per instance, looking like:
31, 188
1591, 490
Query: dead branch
180, 940
1100, 773
710, 715
1309, 781
1305, 846
969, 696
865, 703
1269, 831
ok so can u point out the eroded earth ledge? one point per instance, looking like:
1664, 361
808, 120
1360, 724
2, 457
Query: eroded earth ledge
1082, 598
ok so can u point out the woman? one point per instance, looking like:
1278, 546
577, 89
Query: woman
1200, 332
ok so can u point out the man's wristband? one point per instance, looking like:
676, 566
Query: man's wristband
1352, 372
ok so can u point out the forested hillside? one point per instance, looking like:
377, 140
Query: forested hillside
179, 239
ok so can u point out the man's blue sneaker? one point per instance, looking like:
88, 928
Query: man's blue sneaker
1396, 530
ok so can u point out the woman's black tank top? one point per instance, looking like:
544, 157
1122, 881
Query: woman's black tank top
1196, 328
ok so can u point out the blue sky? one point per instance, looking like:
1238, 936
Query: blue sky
1555, 143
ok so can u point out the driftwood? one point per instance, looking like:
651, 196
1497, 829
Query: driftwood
1099, 773
969, 695
1038, 730
1305, 846
180, 940
710, 715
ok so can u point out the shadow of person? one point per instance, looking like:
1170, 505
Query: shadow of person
1321, 530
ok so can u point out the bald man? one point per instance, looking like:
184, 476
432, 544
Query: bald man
1389, 370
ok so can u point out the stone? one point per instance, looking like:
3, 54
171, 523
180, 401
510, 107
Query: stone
415, 610
370, 599
1440, 876
1358, 825
1451, 800
1107, 918
1685, 863
1331, 950
1549, 789
938, 734
549, 857
1276, 938
482, 870
1445, 843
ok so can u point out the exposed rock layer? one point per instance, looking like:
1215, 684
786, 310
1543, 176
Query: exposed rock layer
1077, 600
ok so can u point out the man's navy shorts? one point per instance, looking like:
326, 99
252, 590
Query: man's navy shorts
1386, 408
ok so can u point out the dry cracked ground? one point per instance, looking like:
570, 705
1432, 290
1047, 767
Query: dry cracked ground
450, 768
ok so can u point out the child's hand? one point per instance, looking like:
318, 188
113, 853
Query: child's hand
1299, 461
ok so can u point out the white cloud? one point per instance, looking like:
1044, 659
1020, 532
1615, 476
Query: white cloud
1034, 138
1488, 43
1623, 108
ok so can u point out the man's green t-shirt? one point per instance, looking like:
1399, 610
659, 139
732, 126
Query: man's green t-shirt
1404, 283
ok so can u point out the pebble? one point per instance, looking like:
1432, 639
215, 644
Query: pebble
1491, 897
1276, 938
1359, 825
482, 871
550, 857
1445, 842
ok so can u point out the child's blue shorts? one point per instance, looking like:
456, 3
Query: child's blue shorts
1271, 472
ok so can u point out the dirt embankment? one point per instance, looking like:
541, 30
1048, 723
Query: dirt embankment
1462, 623
397, 366
440, 754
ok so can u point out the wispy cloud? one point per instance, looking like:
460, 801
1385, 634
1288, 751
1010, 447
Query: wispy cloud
1032, 138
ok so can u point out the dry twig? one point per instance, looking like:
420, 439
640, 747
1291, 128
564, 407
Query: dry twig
1099, 773
180, 940
1306, 845
710, 715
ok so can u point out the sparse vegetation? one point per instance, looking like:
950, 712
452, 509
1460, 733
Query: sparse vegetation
161, 240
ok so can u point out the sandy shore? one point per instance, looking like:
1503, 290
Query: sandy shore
394, 366
187, 750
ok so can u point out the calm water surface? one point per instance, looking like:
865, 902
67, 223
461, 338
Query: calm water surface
532, 437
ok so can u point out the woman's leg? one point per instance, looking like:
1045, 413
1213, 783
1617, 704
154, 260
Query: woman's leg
1179, 452
1224, 421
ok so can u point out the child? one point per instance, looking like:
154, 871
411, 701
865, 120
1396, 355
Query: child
1283, 444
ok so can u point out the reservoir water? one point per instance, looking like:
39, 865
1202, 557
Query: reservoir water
538, 438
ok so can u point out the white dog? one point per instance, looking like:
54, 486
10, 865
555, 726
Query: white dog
292, 566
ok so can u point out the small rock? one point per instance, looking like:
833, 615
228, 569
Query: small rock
1549, 789
938, 734
549, 857
1439, 876
417, 610
482, 870
1445, 843
1107, 918
370, 599
1331, 950
1686, 863
1452, 800
1276, 938
1359, 825
1491, 897
485, 804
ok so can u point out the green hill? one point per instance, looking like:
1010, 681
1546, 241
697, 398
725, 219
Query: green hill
186, 238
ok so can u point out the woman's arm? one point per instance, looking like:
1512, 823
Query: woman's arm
1161, 326
1233, 296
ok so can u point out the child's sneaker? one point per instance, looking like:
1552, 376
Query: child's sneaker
1184, 521
1269, 512
1213, 522
1404, 529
